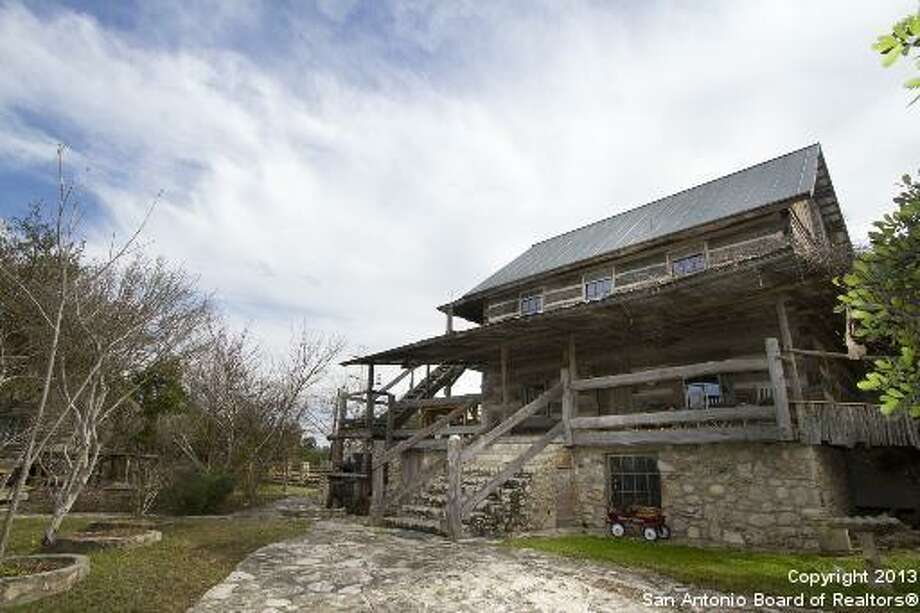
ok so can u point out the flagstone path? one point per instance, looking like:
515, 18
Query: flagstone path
345, 566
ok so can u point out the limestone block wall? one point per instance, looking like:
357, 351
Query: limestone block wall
536, 505
740, 494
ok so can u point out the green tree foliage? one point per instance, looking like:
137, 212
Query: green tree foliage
902, 41
159, 393
882, 292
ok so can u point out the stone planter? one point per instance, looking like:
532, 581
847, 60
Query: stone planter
82, 542
26, 588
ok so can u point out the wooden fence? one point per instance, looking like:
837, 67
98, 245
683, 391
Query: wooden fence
848, 424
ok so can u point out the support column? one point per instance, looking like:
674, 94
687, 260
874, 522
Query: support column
785, 333
454, 496
378, 486
369, 407
391, 419
567, 411
569, 396
778, 380
505, 397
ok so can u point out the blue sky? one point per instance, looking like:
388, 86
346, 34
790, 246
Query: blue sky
355, 163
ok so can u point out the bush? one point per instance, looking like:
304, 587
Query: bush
198, 493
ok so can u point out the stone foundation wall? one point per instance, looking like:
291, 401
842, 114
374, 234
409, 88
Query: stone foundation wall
759, 495
762, 495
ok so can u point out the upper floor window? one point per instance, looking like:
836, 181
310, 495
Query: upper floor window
531, 304
688, 264
595, 289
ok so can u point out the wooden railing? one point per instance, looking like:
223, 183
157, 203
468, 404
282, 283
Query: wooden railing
743, 423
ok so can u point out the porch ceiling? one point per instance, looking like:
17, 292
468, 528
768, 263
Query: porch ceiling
641, 315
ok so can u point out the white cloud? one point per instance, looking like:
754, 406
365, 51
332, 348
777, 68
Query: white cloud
359, 203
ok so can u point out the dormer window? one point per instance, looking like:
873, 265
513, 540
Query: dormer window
598, 288
532, 303
688, 264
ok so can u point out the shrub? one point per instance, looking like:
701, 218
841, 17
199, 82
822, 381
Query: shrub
198, 493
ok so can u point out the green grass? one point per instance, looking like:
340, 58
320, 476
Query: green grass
741, 572
171, 575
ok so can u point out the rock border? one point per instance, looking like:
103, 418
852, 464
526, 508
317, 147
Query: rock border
82, 542
28, 588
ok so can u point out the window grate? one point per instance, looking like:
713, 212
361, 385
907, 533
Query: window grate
634, 480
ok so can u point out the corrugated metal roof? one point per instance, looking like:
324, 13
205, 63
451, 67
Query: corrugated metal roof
778, 179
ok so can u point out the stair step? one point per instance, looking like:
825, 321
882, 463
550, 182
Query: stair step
432, 526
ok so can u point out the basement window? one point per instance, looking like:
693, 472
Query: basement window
688, 265
531, 304
597, 289
634, 480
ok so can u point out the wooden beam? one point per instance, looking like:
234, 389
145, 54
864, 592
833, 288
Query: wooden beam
378, 491
785, 333
419, 435
369, 408
676, 437
568, 396
405, 373
511, 468
520, 415
835, 355
750, 412
425, 403
671, 372
778, 380
504, 359
454, 494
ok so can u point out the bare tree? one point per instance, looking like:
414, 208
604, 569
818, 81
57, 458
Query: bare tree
123, 321
241, 415
47, 304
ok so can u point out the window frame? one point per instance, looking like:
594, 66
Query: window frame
701, 254
587, 279
529, 295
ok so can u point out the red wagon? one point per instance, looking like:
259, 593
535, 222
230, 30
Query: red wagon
646, 521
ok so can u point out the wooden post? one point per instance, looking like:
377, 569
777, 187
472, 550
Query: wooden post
567, 394
785, 333
369, 409
391, 418
454, 496
378, 487
778, 380
504, 358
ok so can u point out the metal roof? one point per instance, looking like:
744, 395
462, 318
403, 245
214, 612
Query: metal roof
781, 178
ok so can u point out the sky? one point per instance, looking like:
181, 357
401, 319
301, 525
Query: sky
352, 164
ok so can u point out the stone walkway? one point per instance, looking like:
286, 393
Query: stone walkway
344, 566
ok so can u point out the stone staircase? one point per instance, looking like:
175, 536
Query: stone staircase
500, 513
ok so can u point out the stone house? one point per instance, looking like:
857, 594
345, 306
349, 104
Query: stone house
683, 354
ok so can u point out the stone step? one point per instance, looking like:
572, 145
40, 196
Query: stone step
403, 522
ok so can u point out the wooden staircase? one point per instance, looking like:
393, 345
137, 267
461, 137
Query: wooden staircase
444, 375
465, 492
426, 510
